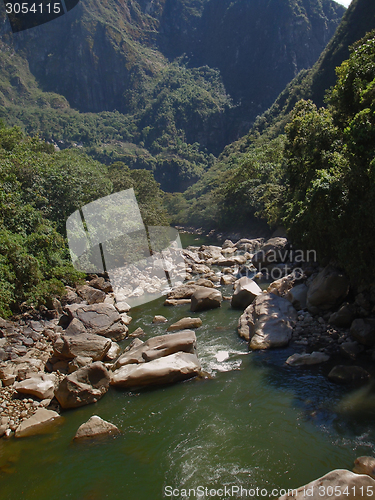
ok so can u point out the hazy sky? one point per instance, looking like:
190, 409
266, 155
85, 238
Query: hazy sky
344, 2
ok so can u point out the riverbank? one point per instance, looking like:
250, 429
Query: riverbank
212, 266
322, 323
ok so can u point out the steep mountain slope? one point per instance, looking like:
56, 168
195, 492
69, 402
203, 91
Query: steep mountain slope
149, 66
246, 156
313, 84
259, 46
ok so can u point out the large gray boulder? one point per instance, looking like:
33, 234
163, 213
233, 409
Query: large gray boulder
85, 386
99, 319
268, 322
365, 465
75, 327
160, 346
346, 485
363, 331
182, 292
343, 317
91, 295
275, 250
306, 359
249, 245
342, 374
86, 345
328, 289
96, 427
38, 423
185, 323
205, 298
246, 290
351, 350
166, 370
41, 385
297, 296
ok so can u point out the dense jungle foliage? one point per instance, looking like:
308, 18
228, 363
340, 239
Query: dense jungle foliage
317, 178
39, 189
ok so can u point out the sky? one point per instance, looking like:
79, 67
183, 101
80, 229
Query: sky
344, 2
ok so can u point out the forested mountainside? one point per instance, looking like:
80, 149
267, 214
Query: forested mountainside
313, 84
142, 82
312, 169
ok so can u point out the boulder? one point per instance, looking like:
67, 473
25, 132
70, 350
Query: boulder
249, 245
345, 485
134, 343
168, 369
20, 369
41, 385
159, 346
268, 322
159, 319
307, 359
363, 330
185, 323
342, 374
85, 386
91, 295
176, 302
137, 333
282, 286
113, 352
182, 292
4, 425
122, 307
229, 251
226, 261
205, 298
99, 319
227, 279
204, 282
101, 284
328, 289
246, 290
351, 350
3, 355
275, 250
78, 362
343, 317
297, 296
75, 327
126, 319
38, 423
87, 345
96, 427
227, 244
207, 252
365, 465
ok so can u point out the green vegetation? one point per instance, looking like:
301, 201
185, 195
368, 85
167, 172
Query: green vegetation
317, 179
40, 188
330, 167
161, 135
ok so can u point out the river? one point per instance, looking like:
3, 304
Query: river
254, 423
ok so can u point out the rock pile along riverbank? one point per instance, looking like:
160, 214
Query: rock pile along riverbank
70, 355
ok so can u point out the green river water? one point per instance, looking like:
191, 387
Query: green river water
255, 423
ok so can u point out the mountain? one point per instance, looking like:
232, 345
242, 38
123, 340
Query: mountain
250, 171
313, 84
258, 46
159, 84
